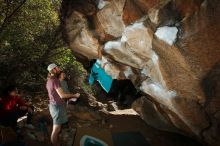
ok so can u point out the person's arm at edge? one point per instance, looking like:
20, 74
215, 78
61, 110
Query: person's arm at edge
62, 94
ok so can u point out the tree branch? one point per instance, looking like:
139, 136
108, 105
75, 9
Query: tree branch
8, 17
51, 45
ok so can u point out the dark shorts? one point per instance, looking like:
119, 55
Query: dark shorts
58, 114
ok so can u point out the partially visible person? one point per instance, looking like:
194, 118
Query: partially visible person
63, 82
57, 106
65, 87
12, 107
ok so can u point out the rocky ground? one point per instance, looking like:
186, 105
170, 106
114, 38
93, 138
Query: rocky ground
91, 114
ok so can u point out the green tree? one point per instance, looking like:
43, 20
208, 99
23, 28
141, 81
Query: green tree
30, 39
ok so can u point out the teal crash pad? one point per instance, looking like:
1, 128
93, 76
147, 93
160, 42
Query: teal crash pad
87, 140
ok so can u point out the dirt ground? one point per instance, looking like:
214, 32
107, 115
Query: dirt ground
81, 115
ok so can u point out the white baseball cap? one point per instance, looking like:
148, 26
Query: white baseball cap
51, 66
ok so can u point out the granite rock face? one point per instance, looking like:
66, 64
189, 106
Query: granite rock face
169, 49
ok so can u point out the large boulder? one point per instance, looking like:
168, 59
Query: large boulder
81, 39
110, 18
169, 49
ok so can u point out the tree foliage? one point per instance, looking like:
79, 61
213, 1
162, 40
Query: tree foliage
30, 39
